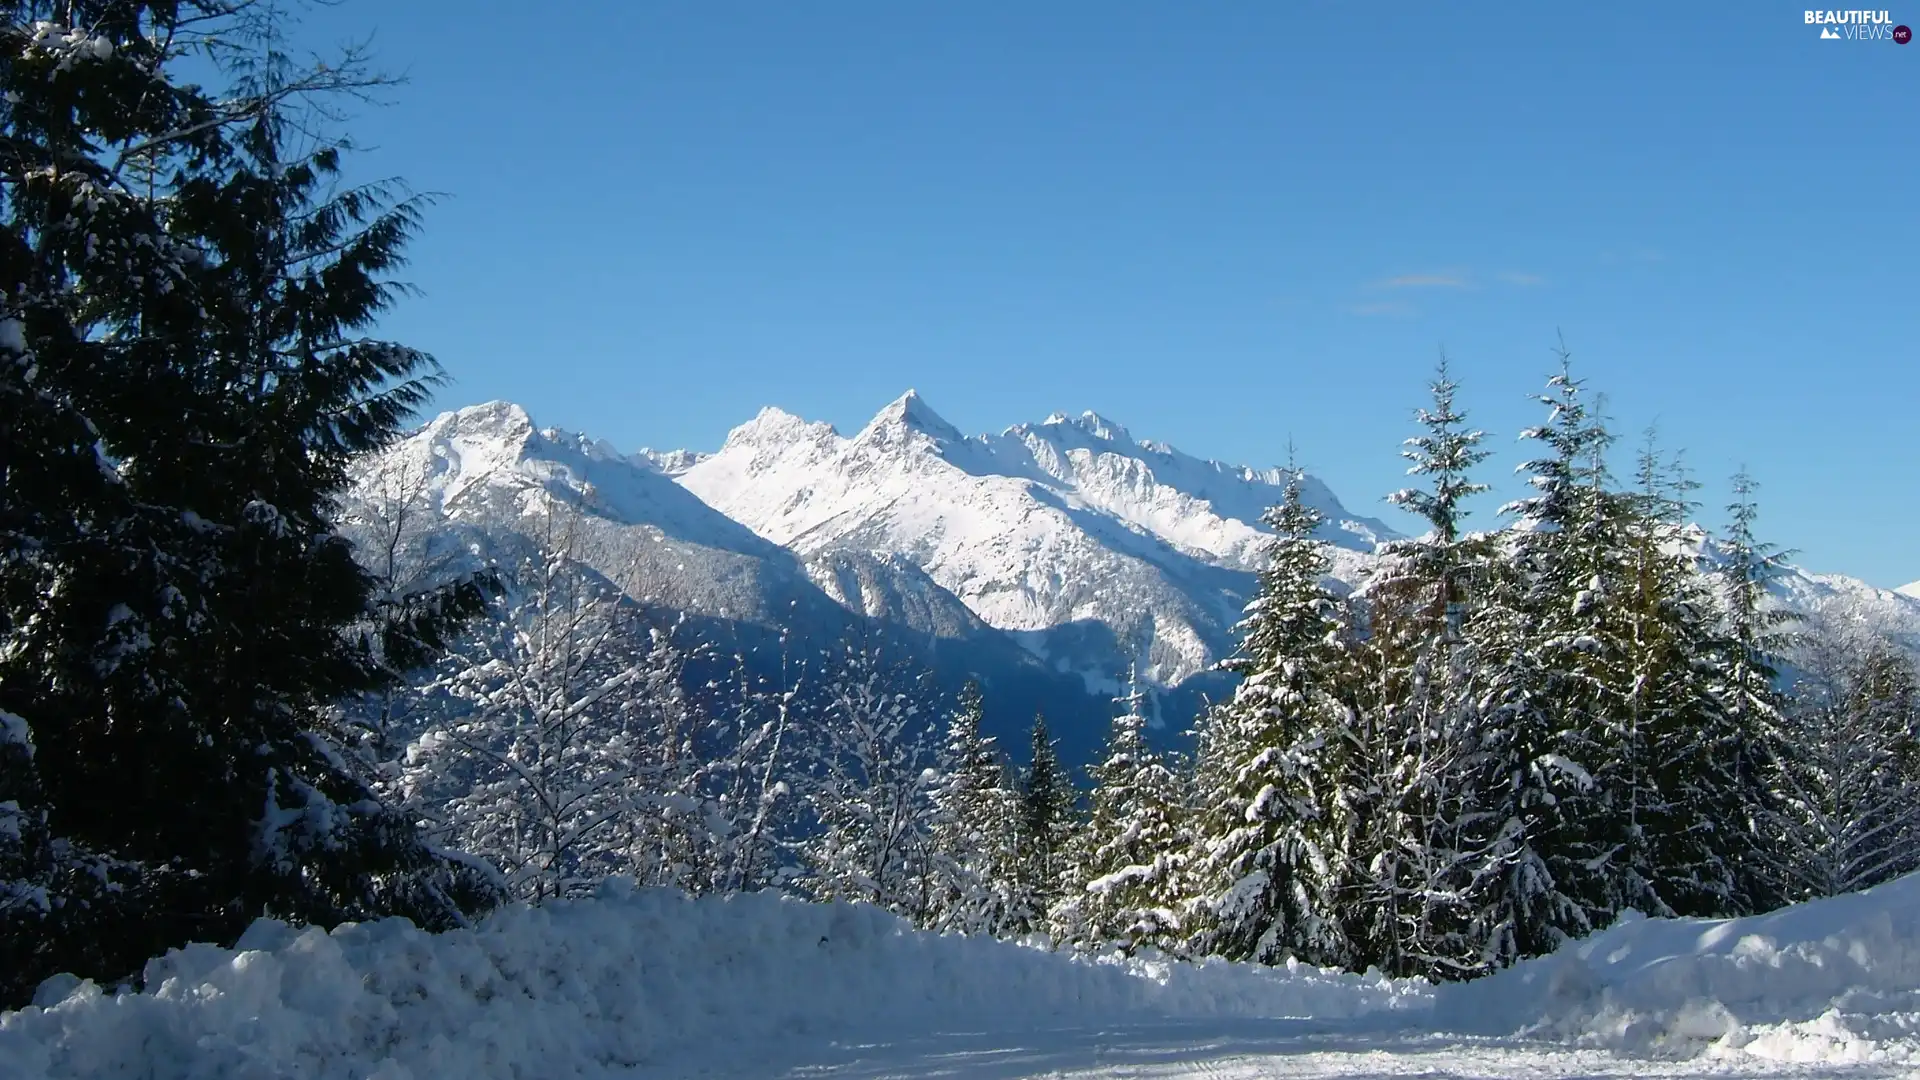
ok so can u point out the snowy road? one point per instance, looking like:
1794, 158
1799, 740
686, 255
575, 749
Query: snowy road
1237, 1050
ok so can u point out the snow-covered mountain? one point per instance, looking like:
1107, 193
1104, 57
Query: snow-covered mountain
1097, 549
1892, 612
469, 489
1912, 589
1048, 558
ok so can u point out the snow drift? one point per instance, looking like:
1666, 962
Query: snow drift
651, 978
1827, 980
580, 989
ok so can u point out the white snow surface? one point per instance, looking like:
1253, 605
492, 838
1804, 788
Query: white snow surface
1910, 589
649, 983
1833, 980
577, 989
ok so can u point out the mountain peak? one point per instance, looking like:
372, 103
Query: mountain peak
1089, 422
775, 426
1912, 590
1102, 428
501, 416
911, 412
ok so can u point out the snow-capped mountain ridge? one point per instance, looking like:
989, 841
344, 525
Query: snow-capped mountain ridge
1092, 549
484, 486
1100, 550
483, 461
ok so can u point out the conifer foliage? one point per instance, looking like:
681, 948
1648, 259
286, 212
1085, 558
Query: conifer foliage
1428, 845
187, 377
976, 830
1127, 863
1273, 862
1048, 802
1502, 741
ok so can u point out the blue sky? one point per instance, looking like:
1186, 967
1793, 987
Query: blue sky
1223, 225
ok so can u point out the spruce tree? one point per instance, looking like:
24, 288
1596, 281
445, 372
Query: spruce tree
1754, 636
1549, 663
1047, 806
1127, 865
1687, 798
975, 833
187, 374
1271, 859
1425, 841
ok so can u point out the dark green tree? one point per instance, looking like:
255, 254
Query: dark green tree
1273, 832
187, 301
976, 828
1755, 636
1425, 842
1048, 803
1127, 866
1548, 667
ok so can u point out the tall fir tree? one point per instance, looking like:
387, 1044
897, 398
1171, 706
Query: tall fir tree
1048, 804
185, 327
1426, 842
1271, 862
1687, 797
1755, 635
1127, 866
1548, 664
976, 829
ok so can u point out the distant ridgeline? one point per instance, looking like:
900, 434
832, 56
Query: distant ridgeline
1049, 561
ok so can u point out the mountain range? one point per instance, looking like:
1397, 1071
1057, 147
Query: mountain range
1050, 560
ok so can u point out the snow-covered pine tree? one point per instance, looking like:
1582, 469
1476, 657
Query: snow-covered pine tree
976, 829
186, 375
869, 786
1126, 866
1849, 773
1755, 634
1271, 864
1687, 801
1048, 805
1547, 670
1425, 842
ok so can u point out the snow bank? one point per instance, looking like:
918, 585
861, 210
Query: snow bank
581, 989
1828, 980
652, 978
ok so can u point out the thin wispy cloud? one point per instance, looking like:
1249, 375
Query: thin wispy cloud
1448, 280
1383, 309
